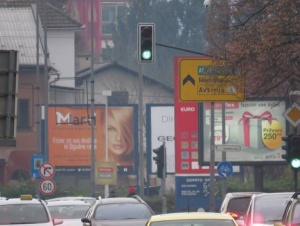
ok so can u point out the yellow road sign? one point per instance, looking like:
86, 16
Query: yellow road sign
201, 79
292, 114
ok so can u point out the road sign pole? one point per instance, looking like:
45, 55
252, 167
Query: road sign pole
224, 184
212, 158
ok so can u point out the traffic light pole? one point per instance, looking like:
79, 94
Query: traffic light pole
295, 174
163, 183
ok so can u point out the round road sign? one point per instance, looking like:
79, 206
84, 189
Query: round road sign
225, 169
47, 186
46, 170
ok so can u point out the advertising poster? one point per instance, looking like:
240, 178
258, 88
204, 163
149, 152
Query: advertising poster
69, 137
256, 126
162, 130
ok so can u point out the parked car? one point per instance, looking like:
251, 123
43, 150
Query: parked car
291, 215
236, 203
265, 209
71, 211
192, 218
26, 210
117, 211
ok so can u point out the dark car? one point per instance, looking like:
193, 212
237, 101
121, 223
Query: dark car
116, 211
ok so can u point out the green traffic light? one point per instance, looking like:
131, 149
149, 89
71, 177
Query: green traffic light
146, 55
295, 163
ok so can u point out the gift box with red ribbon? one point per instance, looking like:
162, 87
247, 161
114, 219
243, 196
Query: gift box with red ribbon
250, 129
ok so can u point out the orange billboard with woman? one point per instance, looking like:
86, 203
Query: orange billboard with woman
69, 137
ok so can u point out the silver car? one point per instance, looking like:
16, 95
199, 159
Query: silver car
70, 211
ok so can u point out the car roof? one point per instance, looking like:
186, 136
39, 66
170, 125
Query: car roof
68, 202
246, 193
273, 194
119, 200
191, 215
71, 198
19, 201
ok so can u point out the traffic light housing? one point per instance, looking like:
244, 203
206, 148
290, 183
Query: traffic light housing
160, 161
286, 147
146, 42
292, 148
295, 151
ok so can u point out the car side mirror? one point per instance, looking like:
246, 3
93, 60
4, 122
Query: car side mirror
57, 221
85, 221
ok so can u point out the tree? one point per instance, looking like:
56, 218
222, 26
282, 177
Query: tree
261, 37
178, 23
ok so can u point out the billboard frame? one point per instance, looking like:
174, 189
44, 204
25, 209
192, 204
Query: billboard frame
248, 163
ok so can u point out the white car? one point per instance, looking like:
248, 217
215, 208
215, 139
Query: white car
265, 209
236, 203
25, 211
70, 211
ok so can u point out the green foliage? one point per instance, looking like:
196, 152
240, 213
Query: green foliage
78, 191
276, 179
14, 189
155, 202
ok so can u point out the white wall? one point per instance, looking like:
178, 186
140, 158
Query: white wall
62, 55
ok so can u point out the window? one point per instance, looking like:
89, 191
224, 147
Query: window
23, 114
23, 214
122, 211
111, 14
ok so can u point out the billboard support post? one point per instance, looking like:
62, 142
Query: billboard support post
106, 93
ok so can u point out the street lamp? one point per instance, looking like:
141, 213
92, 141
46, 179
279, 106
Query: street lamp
106, 93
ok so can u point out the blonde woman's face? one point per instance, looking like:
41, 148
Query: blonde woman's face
116, 143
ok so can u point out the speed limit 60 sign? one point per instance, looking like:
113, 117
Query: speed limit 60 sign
47, 186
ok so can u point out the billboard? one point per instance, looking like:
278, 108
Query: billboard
161, 129
69, 137
256, 126
9, 76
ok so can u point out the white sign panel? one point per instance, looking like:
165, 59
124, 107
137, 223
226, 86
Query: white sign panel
162, 129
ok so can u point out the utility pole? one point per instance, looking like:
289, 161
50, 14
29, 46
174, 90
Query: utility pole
92, 104
141, 119
46, 85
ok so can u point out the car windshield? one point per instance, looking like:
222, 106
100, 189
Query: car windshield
68, 211
122, 211
238, 205
23, 214
269, 209
199, 222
